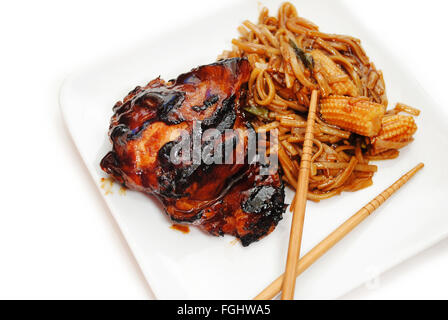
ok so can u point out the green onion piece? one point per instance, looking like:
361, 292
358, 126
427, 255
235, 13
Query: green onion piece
258, 111
305, 58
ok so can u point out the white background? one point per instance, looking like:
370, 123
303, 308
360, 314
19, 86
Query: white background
57, 238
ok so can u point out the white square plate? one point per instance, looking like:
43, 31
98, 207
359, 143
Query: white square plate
198, 266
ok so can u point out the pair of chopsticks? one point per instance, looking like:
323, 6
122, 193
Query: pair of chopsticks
294, 266
318, 251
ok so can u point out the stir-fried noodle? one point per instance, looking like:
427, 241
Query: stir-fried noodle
290, 57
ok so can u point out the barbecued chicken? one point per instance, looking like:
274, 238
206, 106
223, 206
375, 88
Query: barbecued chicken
146, 130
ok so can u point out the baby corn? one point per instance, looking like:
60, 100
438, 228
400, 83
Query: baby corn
339, 82
398, 128
396, 132
357, 115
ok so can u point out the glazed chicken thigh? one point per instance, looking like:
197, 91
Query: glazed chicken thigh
226, 197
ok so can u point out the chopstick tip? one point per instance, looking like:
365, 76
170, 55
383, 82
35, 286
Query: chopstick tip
418, 167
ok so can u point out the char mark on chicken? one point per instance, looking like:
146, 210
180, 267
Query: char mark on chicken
221, 198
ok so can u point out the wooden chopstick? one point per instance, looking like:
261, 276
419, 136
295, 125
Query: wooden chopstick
318, 251
295, 237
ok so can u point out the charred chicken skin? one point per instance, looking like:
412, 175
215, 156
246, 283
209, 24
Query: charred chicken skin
222, 198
